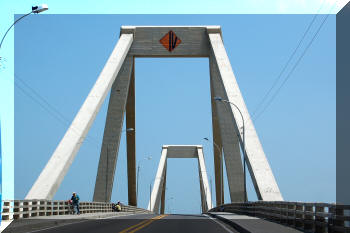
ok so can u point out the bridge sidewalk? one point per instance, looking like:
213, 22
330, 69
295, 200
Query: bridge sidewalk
247, 224
42, 222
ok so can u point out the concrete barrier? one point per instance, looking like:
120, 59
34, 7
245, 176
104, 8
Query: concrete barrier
17, 209
311, 217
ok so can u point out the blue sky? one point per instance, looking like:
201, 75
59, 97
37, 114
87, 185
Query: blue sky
62, 60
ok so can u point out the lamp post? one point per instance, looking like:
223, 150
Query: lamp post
138, 173
221, 172
218, 98
170, 198
35, 9
150, 196
211, 190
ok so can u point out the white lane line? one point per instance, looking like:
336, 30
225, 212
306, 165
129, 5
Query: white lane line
48, 228
114, 216
222, 225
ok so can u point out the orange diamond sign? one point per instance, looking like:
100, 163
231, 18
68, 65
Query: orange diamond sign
170, 41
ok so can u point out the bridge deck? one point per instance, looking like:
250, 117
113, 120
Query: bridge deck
244, 223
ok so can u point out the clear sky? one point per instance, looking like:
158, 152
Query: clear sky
61, 56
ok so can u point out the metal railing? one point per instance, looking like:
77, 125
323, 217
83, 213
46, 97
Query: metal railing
15, 209
309, 217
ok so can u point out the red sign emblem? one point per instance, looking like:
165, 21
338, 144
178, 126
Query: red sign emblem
170, 41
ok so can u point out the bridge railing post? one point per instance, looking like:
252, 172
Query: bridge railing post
265, 210
280, 212
276, 210
291, 213
299, 215
320, 221
260, 209
17, 209
308, 217
25, 209
285, 212
339, 220
33, 208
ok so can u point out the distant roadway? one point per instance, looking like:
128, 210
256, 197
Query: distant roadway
174, 223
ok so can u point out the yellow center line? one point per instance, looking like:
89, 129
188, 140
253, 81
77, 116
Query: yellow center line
141, 225
133, 226
147, 223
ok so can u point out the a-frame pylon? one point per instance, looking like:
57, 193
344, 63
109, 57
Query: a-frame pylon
118, 77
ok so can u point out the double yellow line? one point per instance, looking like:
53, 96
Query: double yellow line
142, 224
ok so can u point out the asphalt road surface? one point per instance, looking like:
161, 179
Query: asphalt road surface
146, 223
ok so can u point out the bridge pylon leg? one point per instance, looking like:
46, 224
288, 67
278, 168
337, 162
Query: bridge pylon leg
231, 130
229, 138
112, 133
157, 198
162, 204
57, 167
130, 139
217, 148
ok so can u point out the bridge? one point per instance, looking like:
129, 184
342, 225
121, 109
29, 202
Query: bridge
235, 143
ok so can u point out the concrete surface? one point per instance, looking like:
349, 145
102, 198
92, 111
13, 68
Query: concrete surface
217, 148
248, 224
228, 135
131, 140
180, 151
143, 223
40, 223
260, 171
112, 133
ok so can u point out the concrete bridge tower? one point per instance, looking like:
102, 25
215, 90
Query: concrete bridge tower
118, 77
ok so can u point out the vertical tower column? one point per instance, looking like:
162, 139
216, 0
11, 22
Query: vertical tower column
228, 136
204, 184
179, 151
217, 146
259, 168
158, 182
162, 204
130, 139
112, 133
57, 167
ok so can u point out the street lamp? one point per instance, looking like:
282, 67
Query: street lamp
221, 172
35, 9
128, 130
138, 172
218, 98
170, 198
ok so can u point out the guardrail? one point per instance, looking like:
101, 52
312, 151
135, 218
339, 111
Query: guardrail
15, 209
309, 217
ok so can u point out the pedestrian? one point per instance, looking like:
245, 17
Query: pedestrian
75, 200
118, 206
71, 207
114, 207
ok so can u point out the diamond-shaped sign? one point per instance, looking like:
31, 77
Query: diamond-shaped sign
170, 41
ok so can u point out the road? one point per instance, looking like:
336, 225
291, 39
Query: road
146, 223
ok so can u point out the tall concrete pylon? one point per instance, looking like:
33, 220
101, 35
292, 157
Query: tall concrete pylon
118, 77
157, 200
57, 167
